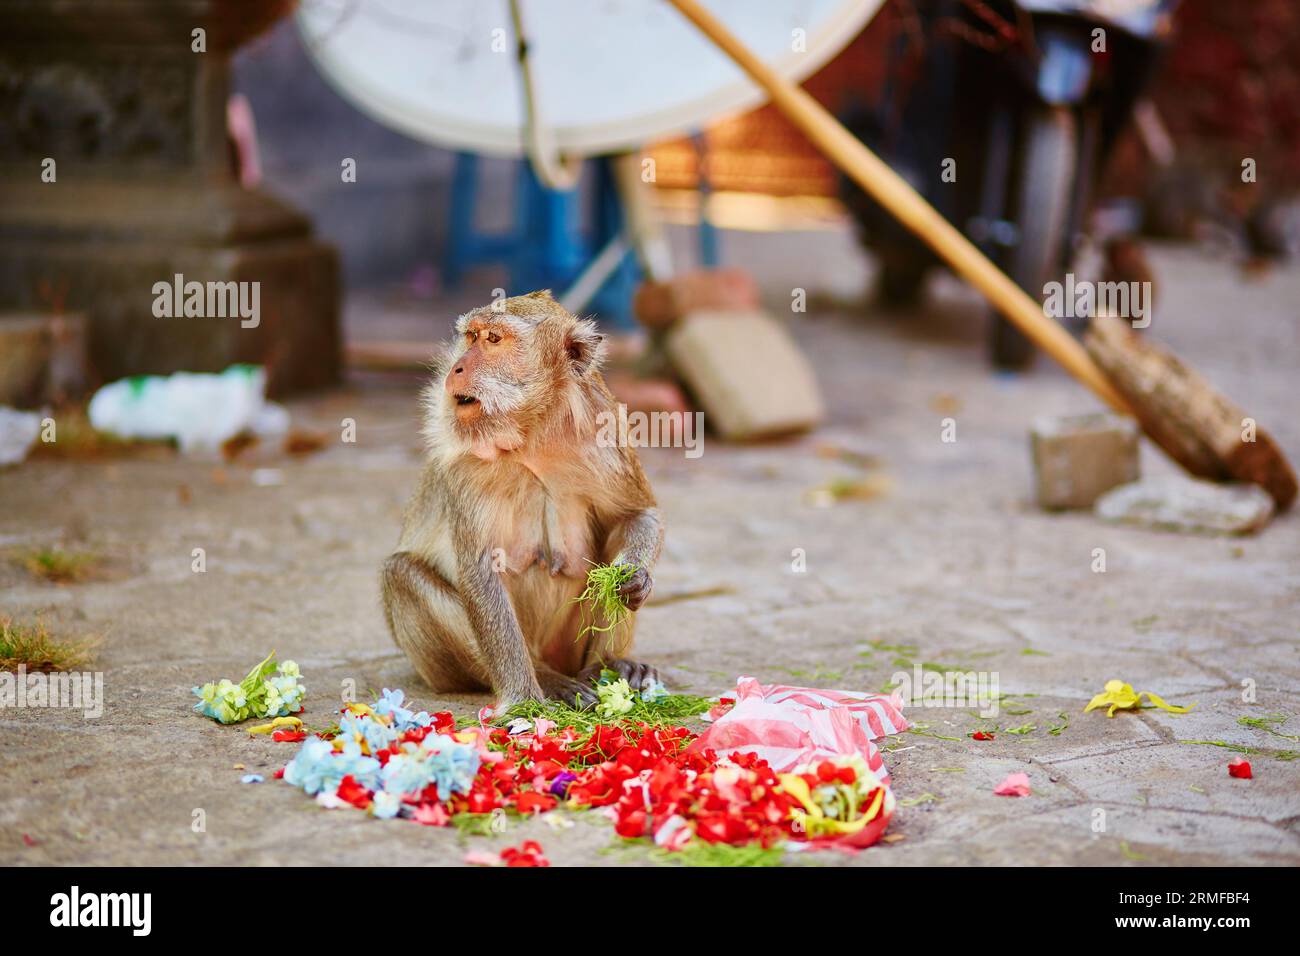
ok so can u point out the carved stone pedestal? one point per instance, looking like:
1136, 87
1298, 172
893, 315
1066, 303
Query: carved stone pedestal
115, 175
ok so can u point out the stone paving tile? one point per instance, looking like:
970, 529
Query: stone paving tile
952, 566
1157, 836
1182, 777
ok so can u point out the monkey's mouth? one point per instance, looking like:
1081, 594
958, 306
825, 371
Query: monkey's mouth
468, 409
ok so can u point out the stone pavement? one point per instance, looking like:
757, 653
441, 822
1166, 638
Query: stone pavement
952, 566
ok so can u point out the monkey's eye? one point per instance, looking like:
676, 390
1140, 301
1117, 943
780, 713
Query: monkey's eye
493, 338
472, 335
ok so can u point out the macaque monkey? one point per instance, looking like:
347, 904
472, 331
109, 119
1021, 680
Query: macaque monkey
516, 502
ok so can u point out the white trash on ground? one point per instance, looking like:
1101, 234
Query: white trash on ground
199, 410
18, 432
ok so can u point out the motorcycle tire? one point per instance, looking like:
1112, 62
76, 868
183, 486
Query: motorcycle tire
1048, 164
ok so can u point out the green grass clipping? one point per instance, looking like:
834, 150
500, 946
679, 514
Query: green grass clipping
601, 598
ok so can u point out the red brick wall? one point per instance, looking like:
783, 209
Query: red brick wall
1230, 88
1231, 84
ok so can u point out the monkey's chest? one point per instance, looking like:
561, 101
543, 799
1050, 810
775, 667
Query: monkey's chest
550, 532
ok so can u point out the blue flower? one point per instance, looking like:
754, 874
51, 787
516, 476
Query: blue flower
452, 766
376, 735
653, 691
317, 767
406, 773
385, 805
390, 704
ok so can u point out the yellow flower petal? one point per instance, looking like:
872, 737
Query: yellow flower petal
797, 787
1159, 702
1121, 696
276, 724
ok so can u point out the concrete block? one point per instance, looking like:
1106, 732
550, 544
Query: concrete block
1078, 458
1183, 504
746, 373
660, 304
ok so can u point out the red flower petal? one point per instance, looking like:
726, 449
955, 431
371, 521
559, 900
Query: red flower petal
528, 854
354, 793
1239, 768
533, 802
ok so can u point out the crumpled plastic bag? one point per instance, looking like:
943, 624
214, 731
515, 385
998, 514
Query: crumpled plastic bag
18, 432
199, 410
790, 726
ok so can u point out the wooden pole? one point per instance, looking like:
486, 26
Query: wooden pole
894, 193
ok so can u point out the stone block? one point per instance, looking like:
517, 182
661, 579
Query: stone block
1078, 458
660, 304
746, 373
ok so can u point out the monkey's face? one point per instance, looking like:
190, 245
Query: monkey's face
514, 364
489, 377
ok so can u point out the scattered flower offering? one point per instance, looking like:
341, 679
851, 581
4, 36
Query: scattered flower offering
1121, 696
981, 735
269, 690
1016, 785
1240, 768
656, 783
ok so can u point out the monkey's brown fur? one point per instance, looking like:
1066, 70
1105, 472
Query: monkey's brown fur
516, 501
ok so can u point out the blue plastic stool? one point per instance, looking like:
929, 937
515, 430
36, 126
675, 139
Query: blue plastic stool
544, 247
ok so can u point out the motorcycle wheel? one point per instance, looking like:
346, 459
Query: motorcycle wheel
901, 282
1048, 161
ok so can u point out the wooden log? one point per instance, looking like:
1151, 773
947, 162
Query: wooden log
1184, 414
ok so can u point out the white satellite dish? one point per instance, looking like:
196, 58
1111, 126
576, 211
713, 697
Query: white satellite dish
609, 75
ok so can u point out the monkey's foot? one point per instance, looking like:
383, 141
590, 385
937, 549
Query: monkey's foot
568, 690
638, 675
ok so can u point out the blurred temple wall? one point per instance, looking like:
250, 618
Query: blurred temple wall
116, 180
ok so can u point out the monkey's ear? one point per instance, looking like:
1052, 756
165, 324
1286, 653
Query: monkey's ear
584, 346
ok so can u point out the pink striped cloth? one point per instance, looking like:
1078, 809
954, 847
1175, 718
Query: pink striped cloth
789, 726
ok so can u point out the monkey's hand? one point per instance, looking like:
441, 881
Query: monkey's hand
634, 592
640, 540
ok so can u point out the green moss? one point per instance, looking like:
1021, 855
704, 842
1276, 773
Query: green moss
58, 566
